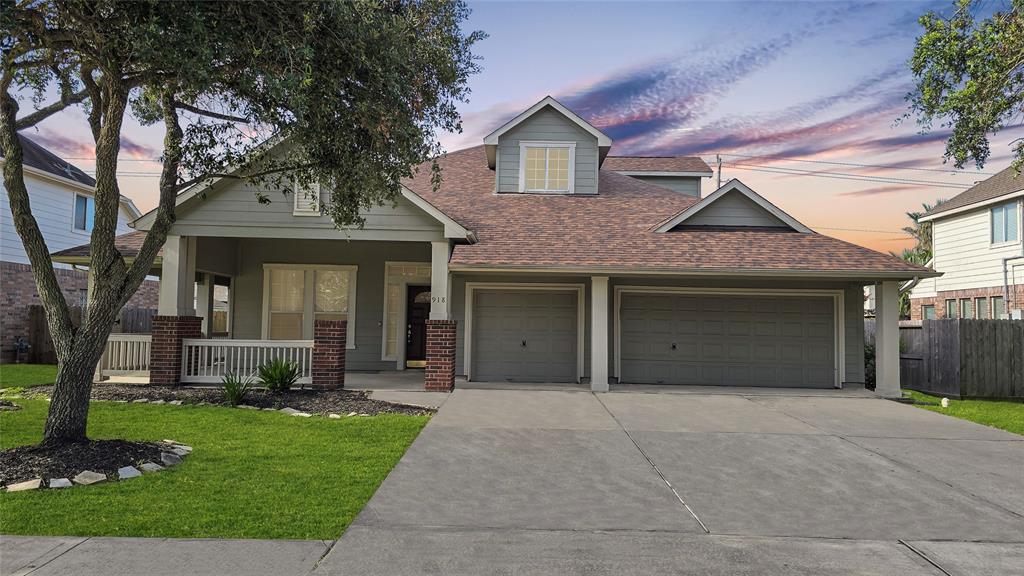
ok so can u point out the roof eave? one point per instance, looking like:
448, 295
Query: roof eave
704, 272
969, 207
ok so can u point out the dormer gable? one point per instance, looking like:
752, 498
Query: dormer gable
547, 149
734, 205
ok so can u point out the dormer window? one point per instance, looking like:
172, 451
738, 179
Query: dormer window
547, 167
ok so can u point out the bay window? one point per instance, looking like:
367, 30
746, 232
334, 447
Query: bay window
294, 295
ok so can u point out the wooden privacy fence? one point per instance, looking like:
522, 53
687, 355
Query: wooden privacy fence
963, 358
132, 321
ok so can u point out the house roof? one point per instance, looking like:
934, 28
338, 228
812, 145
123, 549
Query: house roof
39, 158
733, 186
614, 230
641, 164
602, 138
1004, 183
127, 244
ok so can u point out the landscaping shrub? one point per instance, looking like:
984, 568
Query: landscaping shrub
279, 375
869, 366
236, 388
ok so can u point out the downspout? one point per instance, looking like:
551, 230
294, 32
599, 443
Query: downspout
1006, 267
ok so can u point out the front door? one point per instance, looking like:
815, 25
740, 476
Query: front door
416, 313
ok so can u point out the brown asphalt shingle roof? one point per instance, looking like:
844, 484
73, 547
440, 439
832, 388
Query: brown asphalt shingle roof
36, 156
655, 164
1005, 182
127, 244
613, 230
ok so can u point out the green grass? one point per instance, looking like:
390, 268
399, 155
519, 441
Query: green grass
252, 475
27, 375
1005, 414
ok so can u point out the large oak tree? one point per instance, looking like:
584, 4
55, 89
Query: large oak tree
357, 89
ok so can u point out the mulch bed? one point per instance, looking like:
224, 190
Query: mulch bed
312, 401
68, 459
8, 405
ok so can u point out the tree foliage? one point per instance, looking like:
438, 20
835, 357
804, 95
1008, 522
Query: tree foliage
969, 76
350, 94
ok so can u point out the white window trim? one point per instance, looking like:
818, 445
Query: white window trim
300, 193
308, 297
838, 311
1015, 210
524, 144
74, 206
403, 283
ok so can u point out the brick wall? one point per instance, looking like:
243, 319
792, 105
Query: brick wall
329, 340
165, 353
939, 300
439, 375
18, 292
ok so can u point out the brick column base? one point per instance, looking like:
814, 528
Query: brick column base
165, 351
440, 373
329, 354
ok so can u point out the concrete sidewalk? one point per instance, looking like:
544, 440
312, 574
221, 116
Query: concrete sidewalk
56, 556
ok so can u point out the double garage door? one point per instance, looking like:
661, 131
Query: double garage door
665, 338
784, 341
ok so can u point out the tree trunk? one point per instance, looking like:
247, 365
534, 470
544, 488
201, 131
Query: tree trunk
69, 407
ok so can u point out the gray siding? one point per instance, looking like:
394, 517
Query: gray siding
854, 300
548, 124
683, 184
734, 209
247, 305
231, 209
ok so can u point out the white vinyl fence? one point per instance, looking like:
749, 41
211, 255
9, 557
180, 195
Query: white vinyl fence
125, 354
207, 361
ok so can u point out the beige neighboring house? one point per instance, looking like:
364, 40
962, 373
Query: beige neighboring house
61, 196
541, 258
978, 246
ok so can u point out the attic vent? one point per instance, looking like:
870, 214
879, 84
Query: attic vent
307, 200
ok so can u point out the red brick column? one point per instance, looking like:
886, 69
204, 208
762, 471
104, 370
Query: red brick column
440, 373
329, 354
165, 352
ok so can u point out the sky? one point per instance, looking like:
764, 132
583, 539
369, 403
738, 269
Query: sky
795, 97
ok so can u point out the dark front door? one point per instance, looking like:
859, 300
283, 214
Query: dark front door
416, 313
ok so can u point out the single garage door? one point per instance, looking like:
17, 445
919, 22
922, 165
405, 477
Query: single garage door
727, 340
524, 336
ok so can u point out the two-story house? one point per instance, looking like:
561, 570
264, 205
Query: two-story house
978, 247
61, 196
540, 258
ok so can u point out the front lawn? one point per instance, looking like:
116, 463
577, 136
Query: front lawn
252, 474
27, 375
1005, 414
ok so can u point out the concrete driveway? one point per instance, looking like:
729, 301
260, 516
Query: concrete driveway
559, 482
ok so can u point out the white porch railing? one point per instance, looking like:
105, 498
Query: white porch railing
205, 361
125, 354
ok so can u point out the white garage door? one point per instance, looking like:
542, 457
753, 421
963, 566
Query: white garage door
524, 336
723, 340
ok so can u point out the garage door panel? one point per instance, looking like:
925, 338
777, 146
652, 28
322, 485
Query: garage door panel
505, 320
727, 340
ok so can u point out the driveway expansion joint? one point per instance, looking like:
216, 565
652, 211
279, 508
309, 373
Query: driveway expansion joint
924, 557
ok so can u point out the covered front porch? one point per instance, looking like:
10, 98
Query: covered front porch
348, 313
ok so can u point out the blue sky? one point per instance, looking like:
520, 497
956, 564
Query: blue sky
816, 86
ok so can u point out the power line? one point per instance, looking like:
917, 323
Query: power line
862, 230
844, 176
859, 165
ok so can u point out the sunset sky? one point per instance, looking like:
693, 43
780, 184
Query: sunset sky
775, 88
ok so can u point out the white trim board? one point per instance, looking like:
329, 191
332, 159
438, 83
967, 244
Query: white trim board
730, 186
602, 138
838, 303
472, 287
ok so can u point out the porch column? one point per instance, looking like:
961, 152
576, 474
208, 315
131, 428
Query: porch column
204, 302
176, 319
599, 333
887, 339
329, 354
439, 374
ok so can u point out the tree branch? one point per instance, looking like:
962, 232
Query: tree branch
210, 113
67, 98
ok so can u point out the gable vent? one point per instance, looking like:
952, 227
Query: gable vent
307, 200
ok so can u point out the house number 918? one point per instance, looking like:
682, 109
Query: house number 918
438, 300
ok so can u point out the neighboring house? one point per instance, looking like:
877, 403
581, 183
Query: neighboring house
978, 246
61, 196
533, 261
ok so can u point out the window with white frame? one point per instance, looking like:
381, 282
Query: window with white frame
307, 200
1004, 223
85, 211
547, 167
294, 296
